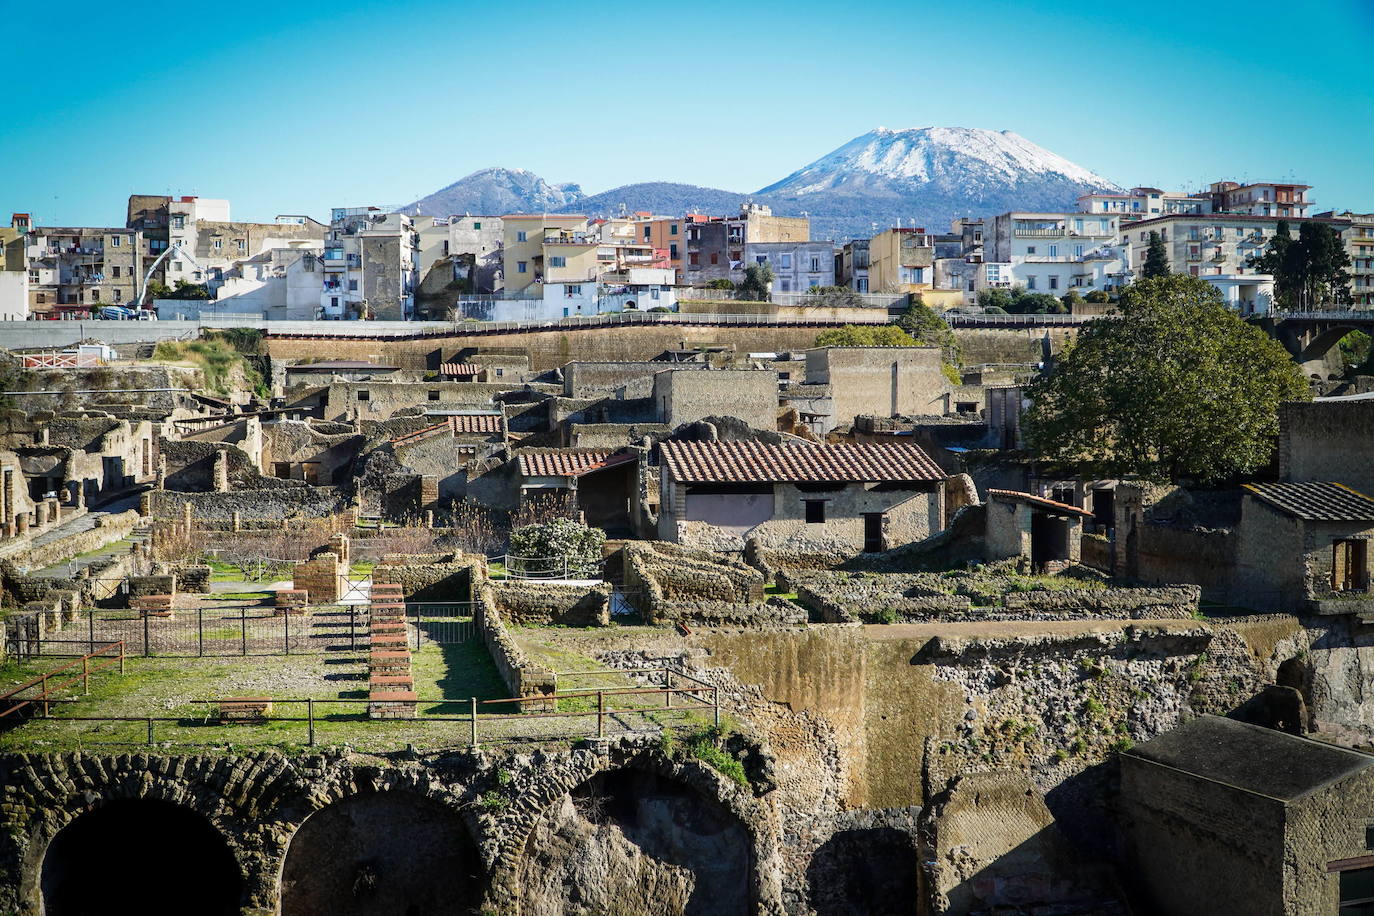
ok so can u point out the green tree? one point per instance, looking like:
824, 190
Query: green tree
865, 335
1156, 258
995, 298
186, 290
1310, 271
159, 290
1072, 300
926, 327
1097, 295
754, 287
834, 297
1176, 386
720, 283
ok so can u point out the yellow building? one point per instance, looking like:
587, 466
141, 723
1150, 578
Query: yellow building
901, 261
524, 255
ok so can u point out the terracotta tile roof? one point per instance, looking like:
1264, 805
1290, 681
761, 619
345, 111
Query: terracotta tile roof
460, 369
1042, 502
754, 462
482, 424
559, 462
1317, 502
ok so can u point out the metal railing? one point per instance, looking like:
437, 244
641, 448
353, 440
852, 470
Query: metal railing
548, 567
696, 696
214, 632
1017, 320
13, 703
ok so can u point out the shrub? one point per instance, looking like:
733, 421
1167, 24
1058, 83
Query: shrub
557, 545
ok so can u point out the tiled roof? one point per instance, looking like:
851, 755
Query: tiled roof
754, 462
559, 463
460, 369
484, 424
1317, 502
1042, 502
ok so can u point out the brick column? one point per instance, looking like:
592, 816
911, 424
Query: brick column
221, 471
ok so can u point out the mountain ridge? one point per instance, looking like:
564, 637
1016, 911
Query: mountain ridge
927, 175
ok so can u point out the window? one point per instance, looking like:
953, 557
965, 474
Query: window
333, 302
521, 237
353, 286
1054, 283
178, 222
521, 267
119, 295
815, 263
1193, 232
476, 225
308, 263
715, 257
1030, 249
672, 228
500, 372
786, 285
648, 232
433, 394
1357, 891
116, 241
574, 289
364, 395
176, 267
115, 271
1350, 565
672, 251
815, 511
1030, 283
217, 244
861, 284
692, 259
196, 275
653, 293
241, 245
1054, 251
558, 261
1078, 251
785, 261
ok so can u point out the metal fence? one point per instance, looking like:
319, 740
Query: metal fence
208, 632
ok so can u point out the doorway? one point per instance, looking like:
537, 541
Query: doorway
1350, 566
874, 542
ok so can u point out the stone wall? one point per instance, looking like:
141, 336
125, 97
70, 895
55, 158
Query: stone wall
526, 603
107, 529
523, 678
261, 811
657, 574
1327, 441
280, 503
438, 578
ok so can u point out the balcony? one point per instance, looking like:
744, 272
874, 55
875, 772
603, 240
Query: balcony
1043, 233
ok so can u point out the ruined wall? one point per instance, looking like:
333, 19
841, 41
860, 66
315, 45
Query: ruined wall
276, 504
1327, 441
545, 603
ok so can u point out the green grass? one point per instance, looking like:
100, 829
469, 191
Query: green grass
240, 596
775, 591
361, 569
497, 570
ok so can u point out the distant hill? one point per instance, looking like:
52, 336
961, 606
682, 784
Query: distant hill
496, 191
920, 176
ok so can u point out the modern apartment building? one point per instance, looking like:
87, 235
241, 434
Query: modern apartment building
851, 265
201, 227
14, 270
66, 270
1218, 247
901, 260
715, 246
1262, 198
1058, 252
796, 266
371, 261
454, 241
1144, 203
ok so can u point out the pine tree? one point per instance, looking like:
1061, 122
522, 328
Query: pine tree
1156, 258
1310, 271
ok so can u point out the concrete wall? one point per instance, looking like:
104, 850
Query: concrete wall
885, 381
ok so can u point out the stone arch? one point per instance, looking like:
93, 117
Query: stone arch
140, 855
640, 837
392, 851
1315, 346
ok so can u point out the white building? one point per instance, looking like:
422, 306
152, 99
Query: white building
371, 261
1057, 252
282, 284
797, 266
1144, 203
201, 227
1287, 200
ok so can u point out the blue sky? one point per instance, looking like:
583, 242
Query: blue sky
297, 107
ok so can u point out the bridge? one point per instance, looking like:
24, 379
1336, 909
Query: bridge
1310, 335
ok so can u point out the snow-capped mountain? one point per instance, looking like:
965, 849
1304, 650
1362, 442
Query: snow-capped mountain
965, 159
922, 176
496, 191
